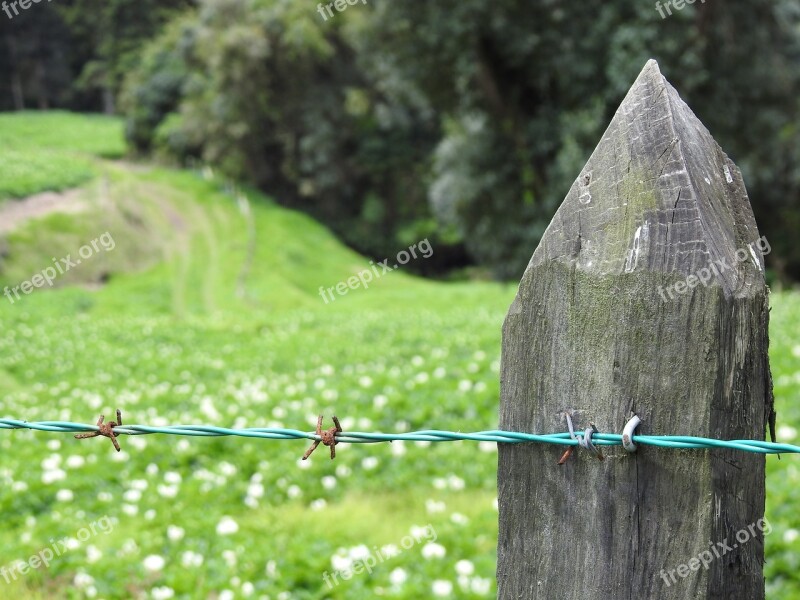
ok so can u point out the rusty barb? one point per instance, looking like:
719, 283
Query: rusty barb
327, 437
106, 430
583, 442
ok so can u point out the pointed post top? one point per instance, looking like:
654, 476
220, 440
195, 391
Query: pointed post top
658, 194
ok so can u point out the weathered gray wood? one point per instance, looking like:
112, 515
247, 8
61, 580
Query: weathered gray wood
593, 329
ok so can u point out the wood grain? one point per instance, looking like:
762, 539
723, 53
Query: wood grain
598, 328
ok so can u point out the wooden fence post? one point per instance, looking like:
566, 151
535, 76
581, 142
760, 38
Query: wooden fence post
646, 294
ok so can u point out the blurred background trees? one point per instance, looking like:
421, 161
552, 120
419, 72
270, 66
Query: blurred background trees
461, 121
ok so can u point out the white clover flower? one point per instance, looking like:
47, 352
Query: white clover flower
442, 587
64, 495
93, 554
167, 491
487, 446
433, 506
175, 533
455, 482
360, 552
162, 593
398, 576
433, 550
398, 448
459, 519
132, 496
329, 482
121, 456
341, 563
82, 579
172, 477
51, 463
465, 567
369, 463
318, 504
191, 559
53, 475
480, 586
227, 526
75, 461
154, 562
227, 469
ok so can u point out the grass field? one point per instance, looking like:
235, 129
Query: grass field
207, 310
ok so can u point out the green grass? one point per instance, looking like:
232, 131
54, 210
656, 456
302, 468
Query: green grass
194, 327
191, 320
53, 151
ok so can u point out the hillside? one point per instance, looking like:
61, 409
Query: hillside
207, 310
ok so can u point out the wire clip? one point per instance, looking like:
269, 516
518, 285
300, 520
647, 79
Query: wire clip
627, 433
583, 442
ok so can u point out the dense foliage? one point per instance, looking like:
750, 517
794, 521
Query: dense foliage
460, 121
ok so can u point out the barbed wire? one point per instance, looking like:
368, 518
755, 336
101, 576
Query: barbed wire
337, 436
